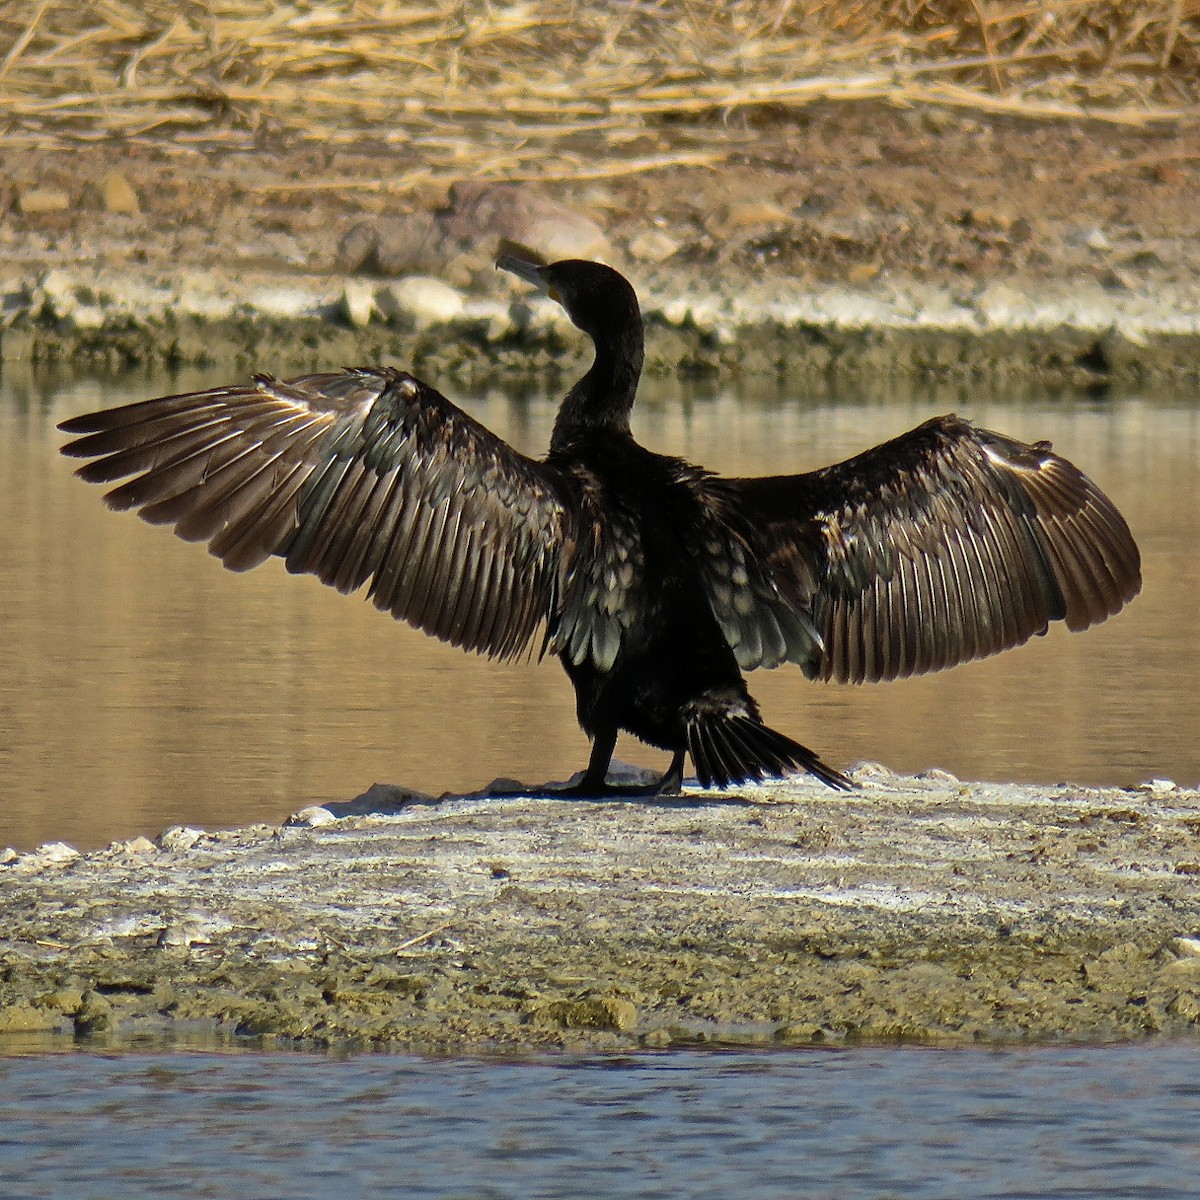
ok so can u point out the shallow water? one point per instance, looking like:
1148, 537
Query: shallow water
919, 1123
145, 686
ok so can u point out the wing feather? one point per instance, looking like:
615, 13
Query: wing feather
357, 477
946, 544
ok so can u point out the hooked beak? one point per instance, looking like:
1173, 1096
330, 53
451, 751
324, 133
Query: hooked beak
531, 272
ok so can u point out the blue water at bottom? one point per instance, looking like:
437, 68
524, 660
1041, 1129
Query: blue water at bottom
1113, 1121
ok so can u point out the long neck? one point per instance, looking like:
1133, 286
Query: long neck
603, 398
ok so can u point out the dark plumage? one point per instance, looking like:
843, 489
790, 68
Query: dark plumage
654, 581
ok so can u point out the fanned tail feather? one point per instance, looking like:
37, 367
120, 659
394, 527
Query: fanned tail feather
735, 749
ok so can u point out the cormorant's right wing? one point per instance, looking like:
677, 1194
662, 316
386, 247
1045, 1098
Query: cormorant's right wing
945, 544
351, 476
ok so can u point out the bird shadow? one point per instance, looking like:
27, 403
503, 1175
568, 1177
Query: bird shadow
631, 785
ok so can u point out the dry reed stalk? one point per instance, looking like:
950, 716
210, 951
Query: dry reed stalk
534, 89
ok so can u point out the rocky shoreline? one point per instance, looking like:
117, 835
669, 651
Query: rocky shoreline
1056, 335
915, 909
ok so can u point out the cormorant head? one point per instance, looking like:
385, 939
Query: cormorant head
599, 300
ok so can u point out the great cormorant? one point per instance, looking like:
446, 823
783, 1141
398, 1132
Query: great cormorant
655, 582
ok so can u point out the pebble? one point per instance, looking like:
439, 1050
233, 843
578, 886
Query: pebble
518, 213
358, 300
592, 1012
653, 246
999, 305
135, 847
753, 214
36, 201
84, 317
1160, 787
391, 245
49, 854
314, 817
421, 300
937, 775
116, 195
675, 311
56, 852
284, 303
192, 931
179, 837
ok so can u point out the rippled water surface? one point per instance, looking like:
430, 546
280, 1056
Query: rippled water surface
144, 686
835, 1125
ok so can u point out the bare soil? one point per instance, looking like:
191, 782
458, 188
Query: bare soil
878, 201
835, 193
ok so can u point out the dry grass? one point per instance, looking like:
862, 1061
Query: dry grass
547, 88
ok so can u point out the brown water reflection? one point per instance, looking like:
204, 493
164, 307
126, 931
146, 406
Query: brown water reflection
144, 686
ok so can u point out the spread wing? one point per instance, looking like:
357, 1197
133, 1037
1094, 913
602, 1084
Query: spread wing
357, 476
946, 544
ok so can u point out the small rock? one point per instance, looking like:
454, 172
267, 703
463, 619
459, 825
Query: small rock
986, 217
391, 246
871, 770
314, 817
653, 246
56, 290
8, 855
116, 195
94, 1014
422, 300
179, 837
35, 201
358, 301
1186, 1006
66, 999
1159, 787
135, 847
657, 1039
28, 1018
380, 799
1114, 280
676, 311
50, 854
1186, 947
592, 1012
192, 931
284, 303
754, 214
862, 272
520, 214
999, 305
84, 316
803, 1033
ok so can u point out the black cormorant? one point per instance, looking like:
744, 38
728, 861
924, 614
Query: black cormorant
656, 582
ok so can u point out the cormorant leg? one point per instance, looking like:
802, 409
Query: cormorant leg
592, 783
594, 779
672, 782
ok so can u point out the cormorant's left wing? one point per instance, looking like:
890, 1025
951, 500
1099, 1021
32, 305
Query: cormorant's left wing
350, 476
946, 544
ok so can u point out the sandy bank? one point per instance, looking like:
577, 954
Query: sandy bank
916, 908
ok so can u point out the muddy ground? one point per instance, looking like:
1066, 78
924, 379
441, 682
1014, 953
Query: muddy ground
851, 241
